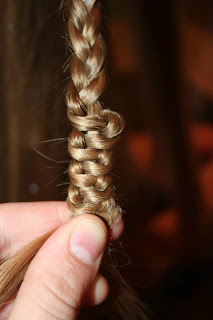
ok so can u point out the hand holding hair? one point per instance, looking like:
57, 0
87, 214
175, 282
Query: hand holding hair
57, 280
64, 273
95, 132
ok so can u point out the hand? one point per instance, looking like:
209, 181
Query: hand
63, 276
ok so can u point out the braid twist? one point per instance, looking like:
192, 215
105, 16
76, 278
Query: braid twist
95, 130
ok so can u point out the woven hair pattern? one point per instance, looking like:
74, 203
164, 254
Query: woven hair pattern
95, 130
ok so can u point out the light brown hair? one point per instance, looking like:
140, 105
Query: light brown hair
95, 130
95, 133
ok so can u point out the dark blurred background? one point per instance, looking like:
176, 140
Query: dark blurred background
160, 77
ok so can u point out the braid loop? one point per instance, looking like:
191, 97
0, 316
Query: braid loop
95, 130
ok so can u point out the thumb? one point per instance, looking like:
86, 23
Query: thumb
62, 272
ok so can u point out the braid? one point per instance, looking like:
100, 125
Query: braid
95, 130
95, 133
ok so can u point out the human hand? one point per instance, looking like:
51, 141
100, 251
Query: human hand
63, 276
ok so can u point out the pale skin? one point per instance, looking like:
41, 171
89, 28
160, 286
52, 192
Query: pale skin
64, 275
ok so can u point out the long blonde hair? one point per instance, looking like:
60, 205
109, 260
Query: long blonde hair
95, 132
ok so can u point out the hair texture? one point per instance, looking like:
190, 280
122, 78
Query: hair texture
95, 130
95, 133
13, 269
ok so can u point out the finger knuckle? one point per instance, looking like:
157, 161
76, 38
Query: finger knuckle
58, 296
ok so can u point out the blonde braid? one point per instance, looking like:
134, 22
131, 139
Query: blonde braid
95, 130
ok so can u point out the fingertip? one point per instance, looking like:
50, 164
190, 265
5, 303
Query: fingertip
116, 231
6, 310
98, 291
64, 212
88, 240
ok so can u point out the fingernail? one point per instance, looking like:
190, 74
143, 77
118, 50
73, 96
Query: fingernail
88, 241
6, 310
116, 230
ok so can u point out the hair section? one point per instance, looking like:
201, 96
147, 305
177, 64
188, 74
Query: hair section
95, 130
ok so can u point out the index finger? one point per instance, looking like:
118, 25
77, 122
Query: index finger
23, 222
